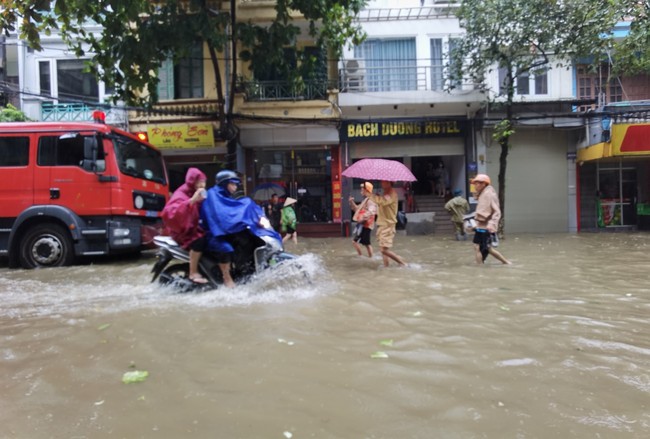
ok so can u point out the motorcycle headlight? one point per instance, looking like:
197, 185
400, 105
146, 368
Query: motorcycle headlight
264, 222
273, 243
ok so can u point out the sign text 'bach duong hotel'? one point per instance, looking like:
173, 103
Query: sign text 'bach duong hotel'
364, 130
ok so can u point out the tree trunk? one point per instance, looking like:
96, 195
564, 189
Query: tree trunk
503, 164
504, 142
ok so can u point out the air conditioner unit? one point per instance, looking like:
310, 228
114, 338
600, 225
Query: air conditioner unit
354, 75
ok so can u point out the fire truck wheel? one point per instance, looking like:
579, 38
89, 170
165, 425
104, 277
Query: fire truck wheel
46, 245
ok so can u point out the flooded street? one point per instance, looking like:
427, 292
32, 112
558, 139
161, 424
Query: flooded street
556, 345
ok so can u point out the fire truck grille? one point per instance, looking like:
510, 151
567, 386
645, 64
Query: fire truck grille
148, 201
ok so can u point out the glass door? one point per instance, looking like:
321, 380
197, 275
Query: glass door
305, 174
617, 191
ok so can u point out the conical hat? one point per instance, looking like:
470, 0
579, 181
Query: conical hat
289, 201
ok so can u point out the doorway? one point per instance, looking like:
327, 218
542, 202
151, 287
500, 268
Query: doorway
304, 174
617, 190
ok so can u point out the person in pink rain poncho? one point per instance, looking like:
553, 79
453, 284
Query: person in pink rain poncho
181, 219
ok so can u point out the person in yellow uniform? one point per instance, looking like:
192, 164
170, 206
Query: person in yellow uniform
386, 221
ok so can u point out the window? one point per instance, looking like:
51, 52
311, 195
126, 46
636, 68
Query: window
599, 85
390, 64
541, 82
523, 83
183, 80
44, 78
535, 80
437, 64
188, 75
74, 84
455, 82
438, 61
504, 81
58, 151
14, 151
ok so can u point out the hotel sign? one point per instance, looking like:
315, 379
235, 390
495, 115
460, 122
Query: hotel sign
391, 130
186, 135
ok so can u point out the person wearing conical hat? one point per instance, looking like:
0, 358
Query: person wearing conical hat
288, 220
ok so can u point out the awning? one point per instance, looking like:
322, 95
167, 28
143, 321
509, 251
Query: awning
594, 152
627, 140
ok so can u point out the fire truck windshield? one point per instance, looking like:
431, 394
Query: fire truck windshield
138, 160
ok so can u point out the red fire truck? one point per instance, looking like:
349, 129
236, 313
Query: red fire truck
76, 189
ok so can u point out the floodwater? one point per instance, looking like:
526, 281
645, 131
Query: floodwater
556, 345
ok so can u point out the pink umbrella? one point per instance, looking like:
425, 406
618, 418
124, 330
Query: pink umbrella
379, 169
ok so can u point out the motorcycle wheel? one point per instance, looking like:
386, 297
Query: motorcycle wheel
178, 277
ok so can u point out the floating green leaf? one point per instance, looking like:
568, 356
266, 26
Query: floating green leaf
134, 376
379, 354
103, 327
387, 342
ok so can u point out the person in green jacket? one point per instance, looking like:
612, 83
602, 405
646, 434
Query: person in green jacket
288, 221
458, 208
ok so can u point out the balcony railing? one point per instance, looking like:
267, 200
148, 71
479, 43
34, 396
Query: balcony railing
73, 112
430, 9
286, 91
362, 79
399, 78
79, 112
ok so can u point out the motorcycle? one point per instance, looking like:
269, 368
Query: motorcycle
252, 254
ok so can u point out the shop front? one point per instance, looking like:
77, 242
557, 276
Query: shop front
422, 144
614, 180
302, 162
186, 145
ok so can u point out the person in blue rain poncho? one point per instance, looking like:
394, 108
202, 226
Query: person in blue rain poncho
224, 217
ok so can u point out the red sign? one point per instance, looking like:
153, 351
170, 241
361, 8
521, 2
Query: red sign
336, 184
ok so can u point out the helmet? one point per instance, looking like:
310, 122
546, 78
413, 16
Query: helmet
482, 177
226, 176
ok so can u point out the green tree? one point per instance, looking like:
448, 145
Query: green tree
12, 114
520, 37
632, 53
137, 36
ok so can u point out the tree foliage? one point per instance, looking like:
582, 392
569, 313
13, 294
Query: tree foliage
135, 37
632, 53
525, 36
12, 114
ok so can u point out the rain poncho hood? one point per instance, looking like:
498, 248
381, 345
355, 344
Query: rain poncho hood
181, 219
223, 215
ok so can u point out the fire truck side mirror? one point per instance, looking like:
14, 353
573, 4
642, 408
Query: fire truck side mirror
90, 154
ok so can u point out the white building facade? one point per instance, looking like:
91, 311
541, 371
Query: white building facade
51, 85
399, 77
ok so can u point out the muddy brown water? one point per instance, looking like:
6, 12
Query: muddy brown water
555, 346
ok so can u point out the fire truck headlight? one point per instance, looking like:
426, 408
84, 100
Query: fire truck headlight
120, 233
138, 202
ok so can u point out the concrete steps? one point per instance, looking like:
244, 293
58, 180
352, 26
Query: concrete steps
442, 219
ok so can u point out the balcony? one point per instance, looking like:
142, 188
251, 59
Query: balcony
358, 76
80, 112
429, 9
404, 90
257, 91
